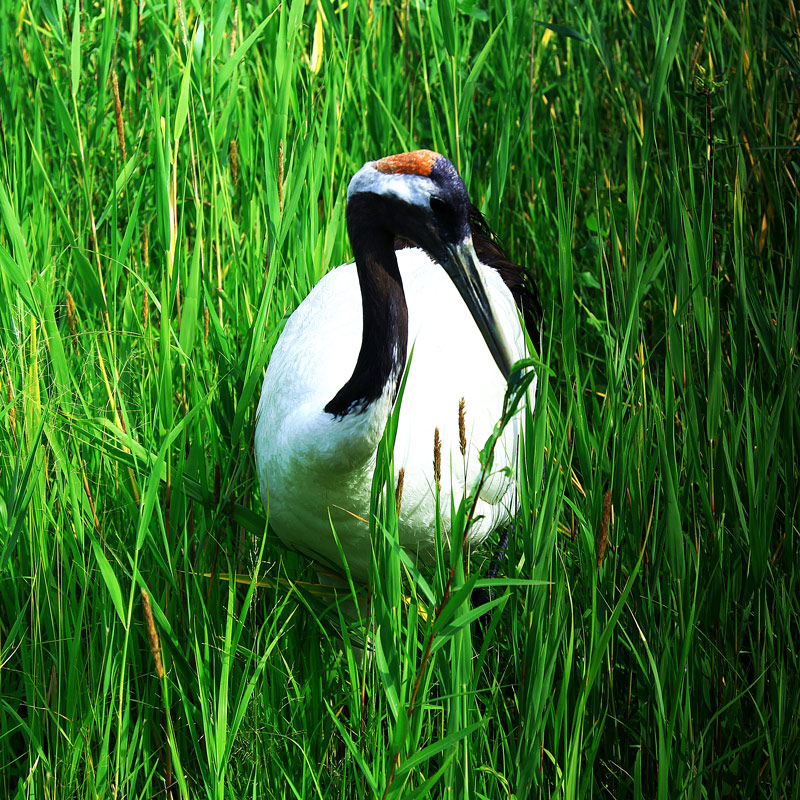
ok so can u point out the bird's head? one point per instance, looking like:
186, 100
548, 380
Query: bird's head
419, 196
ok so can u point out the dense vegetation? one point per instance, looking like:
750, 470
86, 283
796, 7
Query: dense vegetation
172, 183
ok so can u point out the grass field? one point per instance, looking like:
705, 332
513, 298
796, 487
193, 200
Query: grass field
172, 183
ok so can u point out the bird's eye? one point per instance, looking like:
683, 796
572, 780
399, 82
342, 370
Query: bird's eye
439, 207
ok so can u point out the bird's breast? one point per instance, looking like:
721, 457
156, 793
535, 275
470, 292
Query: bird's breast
315, 468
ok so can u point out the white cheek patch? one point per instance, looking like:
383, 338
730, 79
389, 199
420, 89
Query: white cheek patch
414, 190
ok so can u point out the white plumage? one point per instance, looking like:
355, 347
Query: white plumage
315, 467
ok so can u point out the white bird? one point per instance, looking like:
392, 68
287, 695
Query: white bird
334, 374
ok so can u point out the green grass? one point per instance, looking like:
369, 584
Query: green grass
643, 164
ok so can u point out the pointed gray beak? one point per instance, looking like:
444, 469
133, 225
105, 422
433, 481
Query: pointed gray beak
462, 267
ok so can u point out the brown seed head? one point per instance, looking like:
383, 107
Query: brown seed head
602, 536
118, 113
234, 159
71, 317
437, 459
398, 489
462, 427
145, 247
152, 634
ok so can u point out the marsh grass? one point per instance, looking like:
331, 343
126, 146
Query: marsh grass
172, 185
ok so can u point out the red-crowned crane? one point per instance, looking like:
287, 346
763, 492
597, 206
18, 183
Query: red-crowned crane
335, 371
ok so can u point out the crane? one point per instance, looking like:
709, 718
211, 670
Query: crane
427, 275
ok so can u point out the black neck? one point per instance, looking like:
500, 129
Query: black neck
384, 337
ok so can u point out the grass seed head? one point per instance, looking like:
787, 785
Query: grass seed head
118, 113
602, 536
71, 317
234, 32
462, 428
234, 160
152, 634
437, 458
182, 19
145, 247
398, 490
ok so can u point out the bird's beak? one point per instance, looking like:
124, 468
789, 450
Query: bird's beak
463, 270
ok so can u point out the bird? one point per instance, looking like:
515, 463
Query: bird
429, 289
